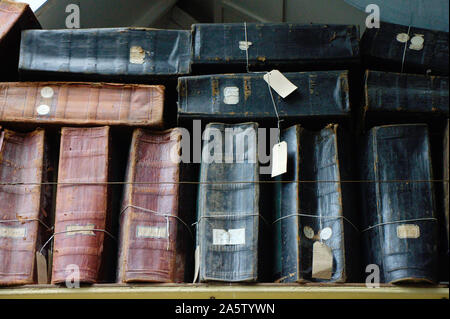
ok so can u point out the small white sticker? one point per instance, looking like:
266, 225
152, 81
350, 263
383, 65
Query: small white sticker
402, 37
417, 42
151, 232
47, 92
279, 83
308, 231
279, 159
13, 232
80, 230
244, 45
231, 95
408, 231
326, 233
137, 55
229, 237
43, 109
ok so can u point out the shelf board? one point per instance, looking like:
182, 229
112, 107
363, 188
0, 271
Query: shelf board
225, 291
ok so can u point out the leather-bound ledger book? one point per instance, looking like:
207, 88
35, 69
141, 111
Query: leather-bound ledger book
229, 211
14, 17
400, 228
398, 94
155, 241
236, 97
274, 45
446, 177
316, 234
83, 211
25, 205
65, 103
400, 48
119, 54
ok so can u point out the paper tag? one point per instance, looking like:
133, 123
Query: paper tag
41, 264
408, 231
13, 232
322, 264
151, 232
229, 237
80, 230
279, 159
279, 83
196, 263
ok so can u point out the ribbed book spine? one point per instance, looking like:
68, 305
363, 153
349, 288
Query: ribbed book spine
228, 205
152, 238
81, 203
400, 227
22, 206
70, 103
314, 207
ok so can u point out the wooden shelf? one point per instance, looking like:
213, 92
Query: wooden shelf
225, 291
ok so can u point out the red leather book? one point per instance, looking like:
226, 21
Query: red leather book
81, 104
152, 247
82, 210
22, 207
14, 17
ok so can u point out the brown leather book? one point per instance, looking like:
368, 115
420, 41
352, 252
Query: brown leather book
82, 213
24, 208
14, 17
154, 247
73, 103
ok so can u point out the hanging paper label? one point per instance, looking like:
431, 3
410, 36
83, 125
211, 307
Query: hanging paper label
279, 83
322, 264
41, 264
196, 263
279, 159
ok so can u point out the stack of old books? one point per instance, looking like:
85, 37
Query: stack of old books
134, 155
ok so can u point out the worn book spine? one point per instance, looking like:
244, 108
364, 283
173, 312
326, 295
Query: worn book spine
125, 54
154, 231
401, 94
82, 215
14, 17
446, 177
24, 205
65, 103
228, 212
313, 205
275, 45
400, 228
400, 48
240, 96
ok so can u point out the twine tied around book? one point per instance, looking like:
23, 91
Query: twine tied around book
400, 221
25, 220
165, 215
228, 215
268, 82
75, 231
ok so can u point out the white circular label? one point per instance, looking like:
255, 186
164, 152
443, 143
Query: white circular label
417, 40
43, 109
326, 233
47, 92
308, 231
402, 37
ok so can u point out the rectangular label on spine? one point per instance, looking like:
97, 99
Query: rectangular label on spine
229, 237
13, 232
279, 83
80, 230
408, 231
151, 232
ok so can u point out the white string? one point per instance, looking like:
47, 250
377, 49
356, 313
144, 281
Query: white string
25, 220
400, 221
320, 217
